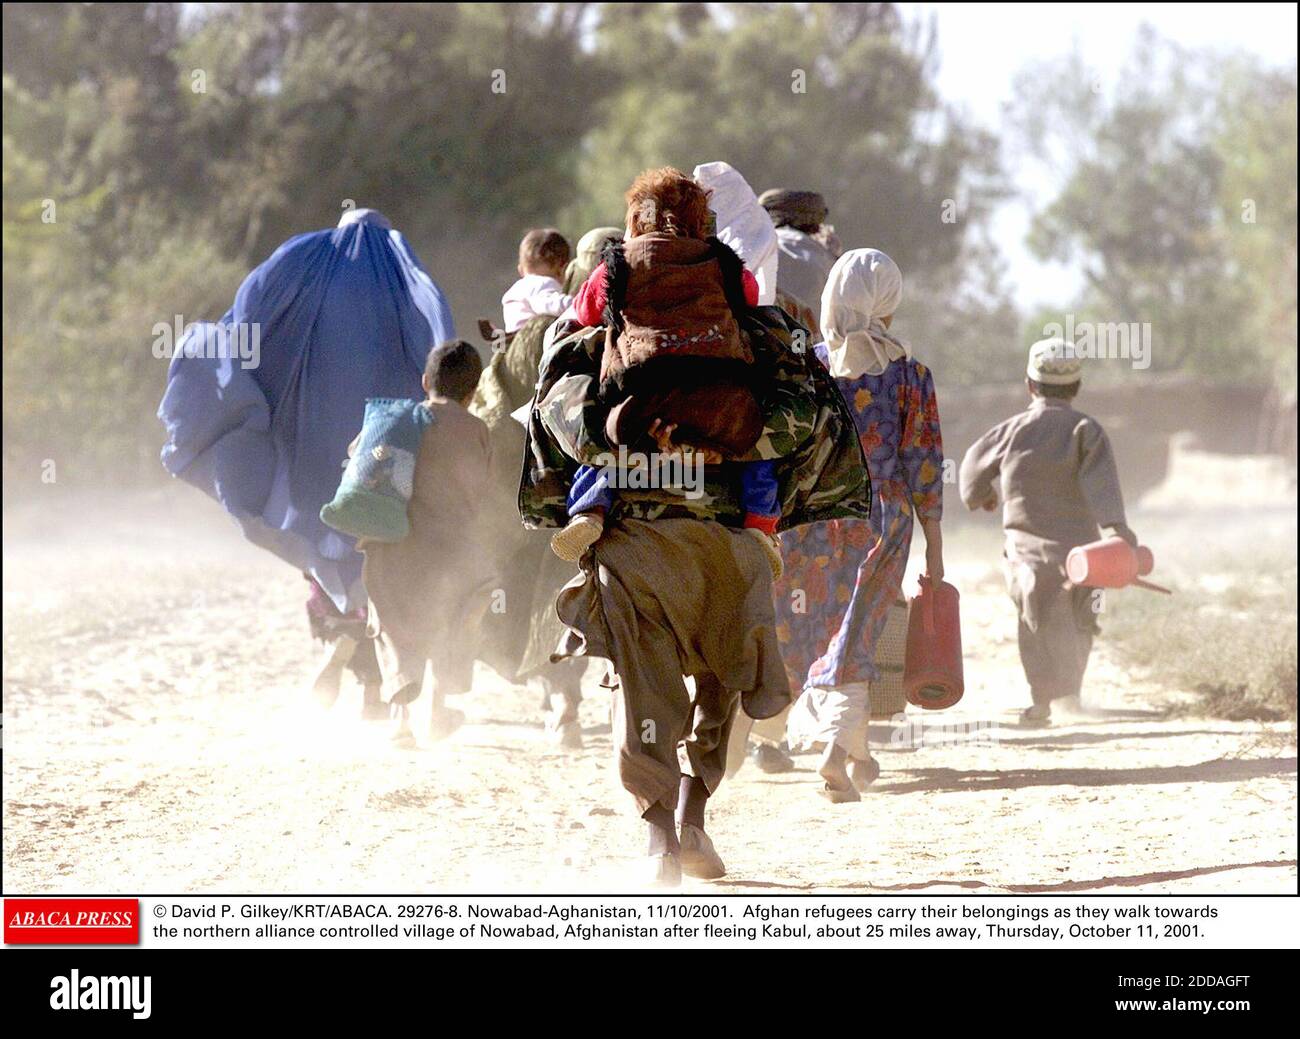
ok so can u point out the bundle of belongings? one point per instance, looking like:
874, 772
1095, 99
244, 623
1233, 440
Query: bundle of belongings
673, 349
806, 430
376, 487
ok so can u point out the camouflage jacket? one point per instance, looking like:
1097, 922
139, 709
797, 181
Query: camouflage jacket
507, 383
808, 428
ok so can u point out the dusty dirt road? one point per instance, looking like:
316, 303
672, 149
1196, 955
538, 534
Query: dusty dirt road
156, 742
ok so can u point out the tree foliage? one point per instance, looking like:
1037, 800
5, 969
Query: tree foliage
175, 145
1178, 202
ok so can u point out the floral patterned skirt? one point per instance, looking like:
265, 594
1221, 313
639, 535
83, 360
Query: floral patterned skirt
840, 579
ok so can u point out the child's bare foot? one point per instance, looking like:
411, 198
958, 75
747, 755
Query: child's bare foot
838, 788
582, 532
771, 549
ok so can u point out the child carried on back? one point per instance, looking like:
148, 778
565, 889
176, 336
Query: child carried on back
676, 373
543, 256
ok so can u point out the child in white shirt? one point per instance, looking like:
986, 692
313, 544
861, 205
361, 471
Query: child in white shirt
543, 255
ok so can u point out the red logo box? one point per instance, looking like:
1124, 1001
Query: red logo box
72, 921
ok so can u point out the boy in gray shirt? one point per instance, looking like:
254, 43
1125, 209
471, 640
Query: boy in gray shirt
1052, 469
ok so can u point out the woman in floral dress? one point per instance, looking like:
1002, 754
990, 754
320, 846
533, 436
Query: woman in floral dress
842, 576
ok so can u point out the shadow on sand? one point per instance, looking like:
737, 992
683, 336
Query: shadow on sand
1221, 770
1063, 887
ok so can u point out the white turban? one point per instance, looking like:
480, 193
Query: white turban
743, 224
864, 287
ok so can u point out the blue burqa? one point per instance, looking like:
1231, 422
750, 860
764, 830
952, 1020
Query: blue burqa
260, 407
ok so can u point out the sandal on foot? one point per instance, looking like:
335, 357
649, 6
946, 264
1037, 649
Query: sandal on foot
699, 857
836, 796
571, 542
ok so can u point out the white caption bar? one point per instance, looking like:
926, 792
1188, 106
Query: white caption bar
633, 921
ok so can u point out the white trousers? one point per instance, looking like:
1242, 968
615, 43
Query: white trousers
834, 714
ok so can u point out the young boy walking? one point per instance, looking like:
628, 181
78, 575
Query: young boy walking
1052, 469
428, 592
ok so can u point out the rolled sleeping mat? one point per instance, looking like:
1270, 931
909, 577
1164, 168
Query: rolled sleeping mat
888, 696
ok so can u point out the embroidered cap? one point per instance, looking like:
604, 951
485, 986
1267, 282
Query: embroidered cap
1052, 362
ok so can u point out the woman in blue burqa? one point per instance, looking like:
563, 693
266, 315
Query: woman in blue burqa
260, 407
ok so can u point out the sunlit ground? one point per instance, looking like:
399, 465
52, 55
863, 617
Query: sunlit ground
157, 741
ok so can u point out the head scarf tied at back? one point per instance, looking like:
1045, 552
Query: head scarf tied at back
339, 315
865, 286
742, 224
587, 255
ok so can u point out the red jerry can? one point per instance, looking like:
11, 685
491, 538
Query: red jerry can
1111, 563
932, 672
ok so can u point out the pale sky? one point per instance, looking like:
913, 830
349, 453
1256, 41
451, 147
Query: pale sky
982, 47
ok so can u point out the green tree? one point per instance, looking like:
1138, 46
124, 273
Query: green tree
833, 97
1147, 205
181, 143
1255, 139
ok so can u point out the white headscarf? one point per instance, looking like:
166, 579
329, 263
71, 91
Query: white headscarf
864, 287
364, 216
743, 224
